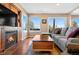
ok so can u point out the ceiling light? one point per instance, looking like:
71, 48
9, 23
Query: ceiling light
75, 11
57, 4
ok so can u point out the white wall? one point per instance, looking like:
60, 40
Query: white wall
23, 13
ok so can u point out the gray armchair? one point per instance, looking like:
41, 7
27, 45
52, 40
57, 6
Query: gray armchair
74, 41
73, 45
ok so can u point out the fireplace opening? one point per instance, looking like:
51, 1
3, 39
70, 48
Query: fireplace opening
10, 38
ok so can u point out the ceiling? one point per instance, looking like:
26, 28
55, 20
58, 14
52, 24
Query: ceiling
49, 7
75, 12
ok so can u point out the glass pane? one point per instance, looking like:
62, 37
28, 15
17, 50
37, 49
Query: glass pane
60, 22
50, 23
56, 22
35, 23
75, 22
24, 22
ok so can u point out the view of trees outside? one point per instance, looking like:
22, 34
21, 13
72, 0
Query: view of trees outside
75, 22
31, 25
50, 28
58, 23
35, 23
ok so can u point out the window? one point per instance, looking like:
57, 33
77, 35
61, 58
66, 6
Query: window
35, 23
75, 22
60, 22
24, 22
50, 23
56, 22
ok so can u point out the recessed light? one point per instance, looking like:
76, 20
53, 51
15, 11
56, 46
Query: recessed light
57, 4
75, 11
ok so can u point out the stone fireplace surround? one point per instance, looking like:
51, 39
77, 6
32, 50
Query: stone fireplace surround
4, 29
11, 38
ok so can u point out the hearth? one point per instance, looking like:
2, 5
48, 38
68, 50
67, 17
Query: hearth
10, 38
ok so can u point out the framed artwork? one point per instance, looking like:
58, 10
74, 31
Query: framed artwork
44, 21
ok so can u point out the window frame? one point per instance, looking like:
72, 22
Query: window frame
53, 17
30, 19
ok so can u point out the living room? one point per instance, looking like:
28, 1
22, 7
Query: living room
39, 28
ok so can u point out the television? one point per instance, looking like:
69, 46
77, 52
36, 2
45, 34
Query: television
8, 21
7, 17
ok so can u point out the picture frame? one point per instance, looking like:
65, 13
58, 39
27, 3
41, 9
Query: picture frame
44, 21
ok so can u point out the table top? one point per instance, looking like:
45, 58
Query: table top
45, 33
37, 38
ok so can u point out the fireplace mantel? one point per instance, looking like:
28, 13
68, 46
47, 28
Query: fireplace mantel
17, 11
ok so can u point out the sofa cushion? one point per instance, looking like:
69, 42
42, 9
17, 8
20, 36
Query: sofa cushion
70, 30
74, 33
63, 41
70, 35
57, 31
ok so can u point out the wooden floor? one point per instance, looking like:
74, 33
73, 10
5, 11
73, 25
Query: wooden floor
23, 48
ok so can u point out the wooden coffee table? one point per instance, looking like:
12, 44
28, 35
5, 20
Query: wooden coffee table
42, 45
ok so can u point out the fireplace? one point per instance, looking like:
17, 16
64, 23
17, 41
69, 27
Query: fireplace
10, 38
